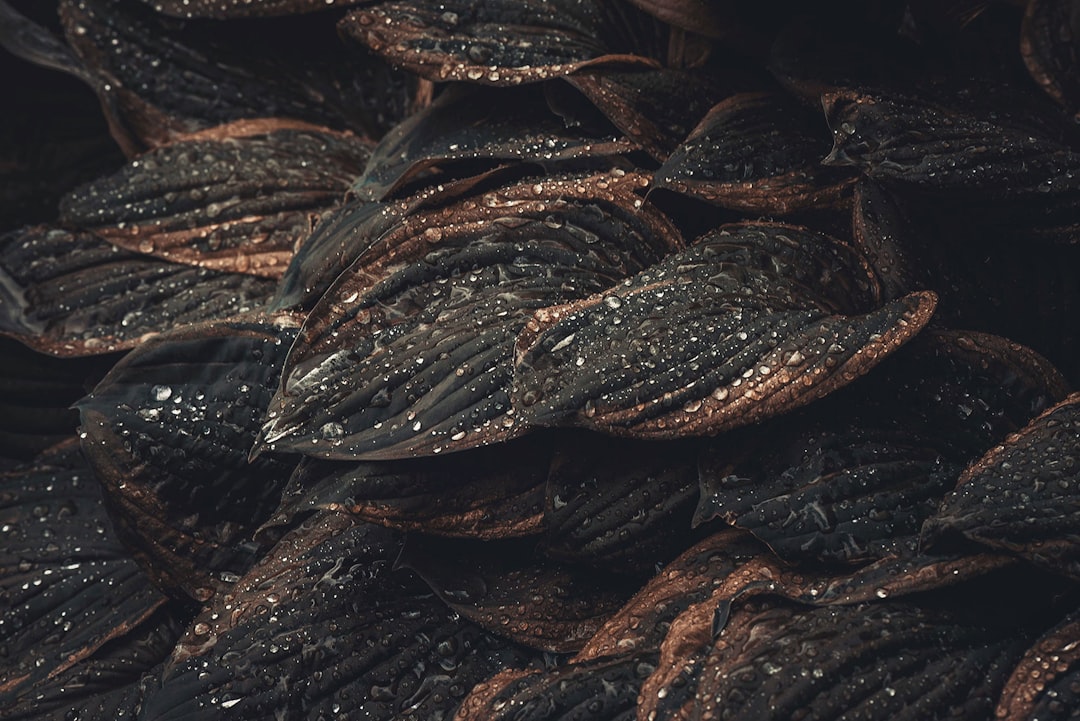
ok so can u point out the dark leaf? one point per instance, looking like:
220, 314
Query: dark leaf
324, 627
226, 9
620, 505
751, 321
504, 42
235, 198
474, 124
892, 240
75, 605
756, 153
1046, 682
920, 144
601, 690
159, 77
503, 588
410, 350
1049, 45
168, 433
655, 108
1022, 495
73, 294
867, 661
854, 478
493, 492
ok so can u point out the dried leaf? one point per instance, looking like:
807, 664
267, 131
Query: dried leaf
73, 294
235, 198
168, 432
503, 42
757, 153
751, 321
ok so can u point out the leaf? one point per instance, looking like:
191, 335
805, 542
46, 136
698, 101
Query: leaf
923, 145
757, 153
493, 492
476, 124
73, 294
168, 432
502, 42
1044, 683
750, 321
159, 77
75, 605
1020, 496
618, 505
502, 587
410, 349
324, 627
241, 8
235, 198
1048, 44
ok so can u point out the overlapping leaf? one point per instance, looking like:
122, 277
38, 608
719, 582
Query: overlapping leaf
168, 433
757, 153
504, 42
160, 77
324, 627
493, 492
507, 590
79, 614
410, 350
237, 197
619, 505
750, 321
855, 479
878, 660
225, 9
1021, 496
909, 141
73, 294
482, 125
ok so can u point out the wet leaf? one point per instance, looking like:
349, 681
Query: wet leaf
503, 42
493, 492
168, 432
878, 660
236, 198
756, 153
1046, 681
619, 505
751, 321
601, 690
409, 352
324, 627
892, 240
475, 124
1048, 44
75, 605
1020, 496
920, 144
73, 294
159, 77
226, 9
656, 108
503, 587
853, 478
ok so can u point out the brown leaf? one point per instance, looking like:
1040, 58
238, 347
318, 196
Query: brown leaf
1049, 46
